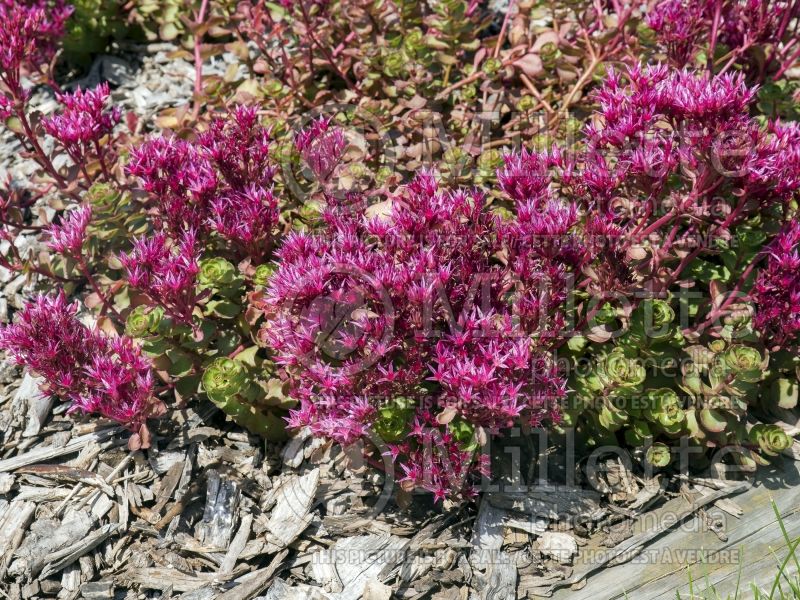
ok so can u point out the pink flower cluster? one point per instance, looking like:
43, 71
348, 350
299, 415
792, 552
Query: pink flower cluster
166, 271
29, 31
68, 236
220, 183
684, 27
673, 157
434, 460
97, 373
679, 25
440, 302
321, 148
446, 304
83, 121
777, 289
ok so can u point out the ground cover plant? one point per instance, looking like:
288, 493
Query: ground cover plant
413, 226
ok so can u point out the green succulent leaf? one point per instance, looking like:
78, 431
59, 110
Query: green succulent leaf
713, 420
618, 370
223, 379
658, 455
784, 392
144, 322
216, 273
771, 439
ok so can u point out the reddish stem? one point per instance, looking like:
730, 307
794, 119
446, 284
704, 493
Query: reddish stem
107, 306
198, 60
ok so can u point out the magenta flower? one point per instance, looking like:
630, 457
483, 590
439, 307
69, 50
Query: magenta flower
684, 27
68, 236
666, 146
239, 146
414, 305
98, 374
321, 147
777, 289
247, 219
436, 462
180, 180
166, 271
28, 35
679, 26
221, 183
83, 122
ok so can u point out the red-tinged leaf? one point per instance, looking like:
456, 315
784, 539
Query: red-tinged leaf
107, 326
131, 121
530, 64
92, 301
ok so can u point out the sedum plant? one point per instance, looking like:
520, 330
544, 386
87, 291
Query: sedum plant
93, 24
387, 306
619, 256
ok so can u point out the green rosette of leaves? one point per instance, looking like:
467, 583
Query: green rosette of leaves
392, 422
746, 363
90, 28
665, 409
262, 275
770, 439
658, 455
226, 382
618, 371
607, 314
488, 163
655, 319
144, 322
216, 273
222, 280
651, 330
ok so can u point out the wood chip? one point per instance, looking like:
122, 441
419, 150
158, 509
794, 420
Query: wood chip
375, 590
551, 502
38, 455
291, 516
346, 568
559, 546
